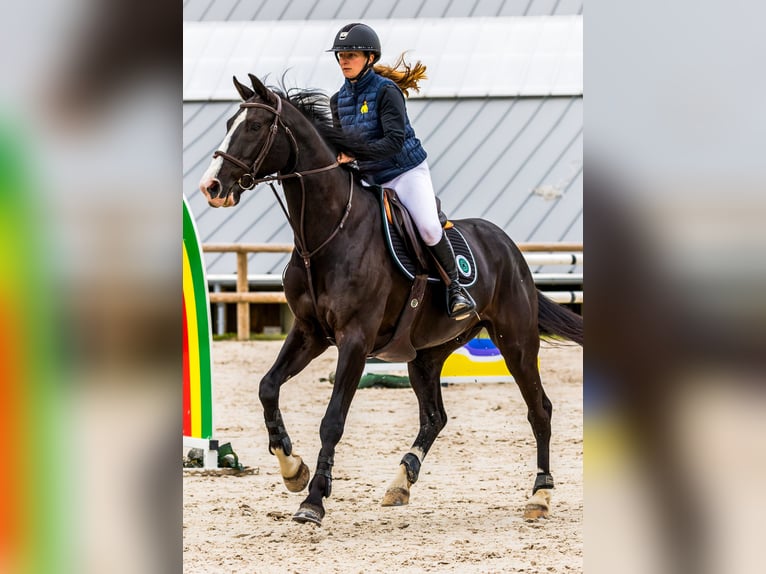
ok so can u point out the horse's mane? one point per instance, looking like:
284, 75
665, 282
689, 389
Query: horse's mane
314, 104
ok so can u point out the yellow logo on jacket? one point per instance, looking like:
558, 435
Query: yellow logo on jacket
364, 109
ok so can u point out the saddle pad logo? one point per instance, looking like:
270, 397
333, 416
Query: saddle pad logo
463, 266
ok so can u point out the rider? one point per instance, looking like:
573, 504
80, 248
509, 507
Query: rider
371, 103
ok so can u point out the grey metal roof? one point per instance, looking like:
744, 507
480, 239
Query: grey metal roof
514, 161
223, 10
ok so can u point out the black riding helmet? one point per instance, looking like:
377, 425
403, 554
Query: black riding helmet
356, 37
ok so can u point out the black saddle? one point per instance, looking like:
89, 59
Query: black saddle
408, 250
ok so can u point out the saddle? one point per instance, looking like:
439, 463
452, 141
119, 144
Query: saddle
401, 221
414, 260
411, 254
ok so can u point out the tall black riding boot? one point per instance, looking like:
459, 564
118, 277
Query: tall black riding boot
458, 305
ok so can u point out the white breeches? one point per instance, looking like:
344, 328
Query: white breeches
416, 192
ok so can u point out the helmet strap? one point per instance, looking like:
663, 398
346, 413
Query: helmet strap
367, 66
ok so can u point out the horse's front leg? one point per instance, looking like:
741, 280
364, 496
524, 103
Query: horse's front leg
300, 348
352, 354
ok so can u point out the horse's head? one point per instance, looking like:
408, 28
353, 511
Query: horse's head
257, 143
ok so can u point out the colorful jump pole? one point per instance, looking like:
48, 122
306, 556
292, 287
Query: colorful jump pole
475, 362
197, 362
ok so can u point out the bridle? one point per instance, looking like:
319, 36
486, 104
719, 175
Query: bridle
249, 180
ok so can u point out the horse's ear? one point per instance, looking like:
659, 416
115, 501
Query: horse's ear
244, 92
259, 88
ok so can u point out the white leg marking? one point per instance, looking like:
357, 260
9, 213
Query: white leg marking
400, 480
539, 505
418, 452
288, 465
215, 165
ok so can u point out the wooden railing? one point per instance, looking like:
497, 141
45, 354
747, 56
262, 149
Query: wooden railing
243, 297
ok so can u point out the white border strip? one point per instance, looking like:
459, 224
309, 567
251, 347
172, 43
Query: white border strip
466, 57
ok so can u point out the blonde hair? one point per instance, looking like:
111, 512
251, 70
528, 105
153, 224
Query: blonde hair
402, 74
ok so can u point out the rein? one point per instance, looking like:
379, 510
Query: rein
249, 180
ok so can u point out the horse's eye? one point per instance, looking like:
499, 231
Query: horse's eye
255, 126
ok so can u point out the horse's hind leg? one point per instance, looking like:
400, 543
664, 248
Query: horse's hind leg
300, 348
520, 354
424, 373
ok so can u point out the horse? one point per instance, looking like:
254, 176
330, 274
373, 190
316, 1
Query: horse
344, 290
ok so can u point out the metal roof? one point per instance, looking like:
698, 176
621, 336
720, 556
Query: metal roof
209, 10
466, 57
514, 161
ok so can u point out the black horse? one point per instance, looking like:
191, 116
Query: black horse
344, 290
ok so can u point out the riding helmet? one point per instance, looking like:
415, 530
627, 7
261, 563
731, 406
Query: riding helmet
356, 37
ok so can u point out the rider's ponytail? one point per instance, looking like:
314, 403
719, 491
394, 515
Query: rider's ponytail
404, 75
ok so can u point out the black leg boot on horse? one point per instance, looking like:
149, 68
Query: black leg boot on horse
459, 306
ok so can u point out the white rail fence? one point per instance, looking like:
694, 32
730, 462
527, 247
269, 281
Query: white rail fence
536, 254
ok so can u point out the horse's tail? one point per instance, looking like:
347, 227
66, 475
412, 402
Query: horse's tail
553, 319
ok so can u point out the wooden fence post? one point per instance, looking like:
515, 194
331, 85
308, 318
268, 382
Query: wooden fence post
243, 308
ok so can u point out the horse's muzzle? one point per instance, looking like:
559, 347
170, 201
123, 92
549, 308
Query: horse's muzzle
212, 190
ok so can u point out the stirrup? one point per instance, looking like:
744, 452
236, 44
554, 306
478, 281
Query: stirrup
462, 313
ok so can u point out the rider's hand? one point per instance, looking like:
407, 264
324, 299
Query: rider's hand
343, 158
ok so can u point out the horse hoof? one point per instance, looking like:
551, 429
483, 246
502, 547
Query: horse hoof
534, 511
309, 513
299, 481
538, 506
396, 497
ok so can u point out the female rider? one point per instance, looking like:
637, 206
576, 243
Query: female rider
371, 104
